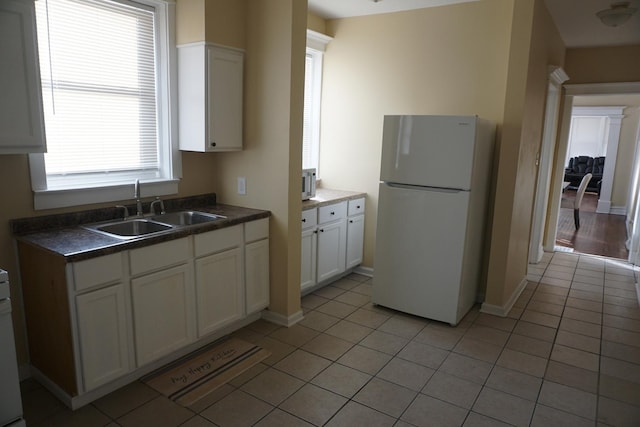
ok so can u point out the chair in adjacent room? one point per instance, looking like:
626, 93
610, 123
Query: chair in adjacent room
578, 200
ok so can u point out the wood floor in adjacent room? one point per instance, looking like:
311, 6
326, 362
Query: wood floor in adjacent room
599, 234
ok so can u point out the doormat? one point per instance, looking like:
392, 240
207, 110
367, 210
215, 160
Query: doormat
191, 379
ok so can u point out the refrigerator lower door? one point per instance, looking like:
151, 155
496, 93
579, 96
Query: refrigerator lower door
419, 251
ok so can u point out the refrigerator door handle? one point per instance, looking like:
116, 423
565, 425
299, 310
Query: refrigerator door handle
420, 188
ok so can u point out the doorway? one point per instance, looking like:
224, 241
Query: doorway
601, 139
622, 196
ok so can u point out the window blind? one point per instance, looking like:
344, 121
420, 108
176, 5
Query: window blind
98, 71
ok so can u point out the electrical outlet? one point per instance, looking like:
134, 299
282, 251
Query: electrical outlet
242, 185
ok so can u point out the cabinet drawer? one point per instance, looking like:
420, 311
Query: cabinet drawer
309, 218
218, 240
256, 230
158, 256
332, 212
356, 206
97, 271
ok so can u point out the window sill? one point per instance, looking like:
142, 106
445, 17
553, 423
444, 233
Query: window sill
50, 199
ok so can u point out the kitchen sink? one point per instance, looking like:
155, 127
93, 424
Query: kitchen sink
186, 218
139, 227
130, 228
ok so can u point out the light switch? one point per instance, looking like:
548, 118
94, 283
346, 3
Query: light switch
242, 185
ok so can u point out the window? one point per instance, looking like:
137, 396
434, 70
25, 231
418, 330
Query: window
105, 73
316, 44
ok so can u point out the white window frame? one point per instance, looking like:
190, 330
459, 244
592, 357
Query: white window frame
166, 74
316, 46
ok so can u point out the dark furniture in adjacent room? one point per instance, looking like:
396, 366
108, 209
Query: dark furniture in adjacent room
579, 166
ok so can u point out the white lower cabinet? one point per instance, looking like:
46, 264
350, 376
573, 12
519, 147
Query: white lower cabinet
163, 312
355, 232
355, 239
308, 264
332, 245
219, 290
332, 241
128, 309
219, 279
256, 256
102, 330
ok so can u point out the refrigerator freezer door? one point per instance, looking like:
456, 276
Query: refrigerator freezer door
419, 251
432, 151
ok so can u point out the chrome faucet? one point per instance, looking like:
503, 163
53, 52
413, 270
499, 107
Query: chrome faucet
152, 210
125, 213
137, 196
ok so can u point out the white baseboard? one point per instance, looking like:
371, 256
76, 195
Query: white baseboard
618, 210
281, 319
604, 206
503, 310
365, 271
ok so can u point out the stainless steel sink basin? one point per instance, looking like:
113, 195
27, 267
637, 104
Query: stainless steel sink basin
183, 218
130, 228
139, 227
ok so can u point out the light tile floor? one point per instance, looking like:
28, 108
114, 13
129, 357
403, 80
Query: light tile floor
568, 354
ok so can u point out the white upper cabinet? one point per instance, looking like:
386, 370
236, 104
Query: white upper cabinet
210, 86
21, 116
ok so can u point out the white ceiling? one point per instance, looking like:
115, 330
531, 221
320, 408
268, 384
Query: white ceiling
575, 19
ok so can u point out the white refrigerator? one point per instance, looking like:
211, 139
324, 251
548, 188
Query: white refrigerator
432, 209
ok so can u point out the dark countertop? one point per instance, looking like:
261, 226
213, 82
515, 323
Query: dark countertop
325, 196
76, 243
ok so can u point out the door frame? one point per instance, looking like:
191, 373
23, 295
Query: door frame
557, 77
555, 193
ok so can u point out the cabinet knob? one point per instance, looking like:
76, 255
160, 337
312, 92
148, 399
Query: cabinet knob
333, 213
351, 221
322, 230
304, 220
358, 207
213, 144
315, 231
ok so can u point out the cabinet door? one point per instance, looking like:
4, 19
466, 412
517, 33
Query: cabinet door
355, 240
308, 258
102, 329
163, 312
257, 275
21, 117
332, 243
224, 99
220, 296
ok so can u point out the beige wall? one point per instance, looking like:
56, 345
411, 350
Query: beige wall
444, 60
536, 44
217, 21
316, 23
273, 35
271, 159
605, 64
190, 21
627, 144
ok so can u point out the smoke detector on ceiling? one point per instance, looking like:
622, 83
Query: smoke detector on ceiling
618, 14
